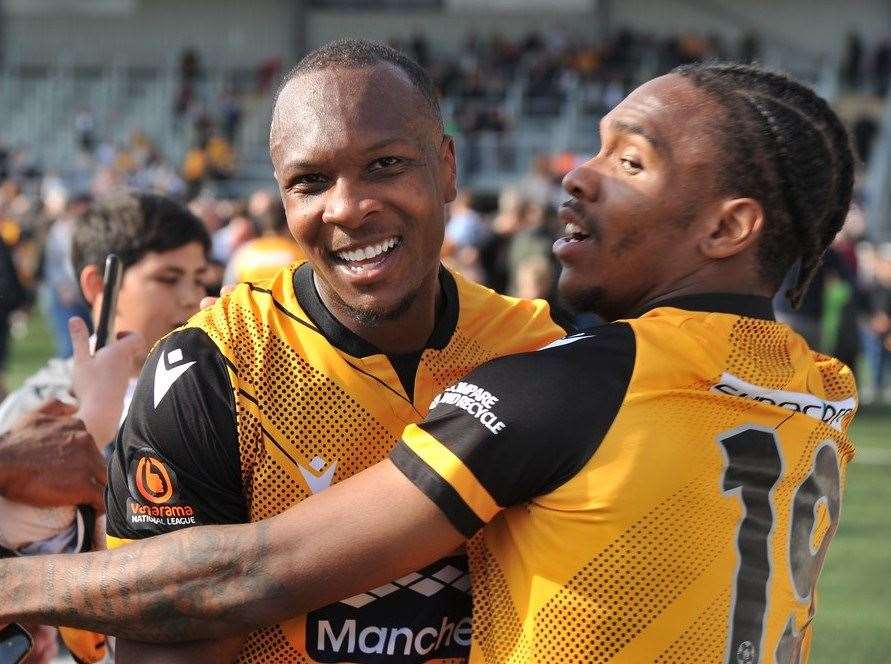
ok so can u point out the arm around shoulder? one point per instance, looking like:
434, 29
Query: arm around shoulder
226, 580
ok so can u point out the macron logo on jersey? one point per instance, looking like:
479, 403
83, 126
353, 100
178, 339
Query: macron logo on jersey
315, 479
166, 375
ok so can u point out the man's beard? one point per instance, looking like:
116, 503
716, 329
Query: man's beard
368, 317
374, 317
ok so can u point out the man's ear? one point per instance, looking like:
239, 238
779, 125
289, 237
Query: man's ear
735, 228
449, 168
91, 284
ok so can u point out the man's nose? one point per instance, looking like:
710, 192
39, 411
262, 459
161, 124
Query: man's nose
583, 181
346, 204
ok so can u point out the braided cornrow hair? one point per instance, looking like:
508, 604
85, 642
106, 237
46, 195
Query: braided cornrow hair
785, 147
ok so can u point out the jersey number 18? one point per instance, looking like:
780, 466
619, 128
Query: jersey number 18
753, 468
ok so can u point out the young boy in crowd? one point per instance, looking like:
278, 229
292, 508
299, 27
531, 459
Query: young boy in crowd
163, 250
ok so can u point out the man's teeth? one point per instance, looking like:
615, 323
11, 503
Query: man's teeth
573, 229
371, 251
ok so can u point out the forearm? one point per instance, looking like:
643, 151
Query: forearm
95, 419
191, 584
212, 581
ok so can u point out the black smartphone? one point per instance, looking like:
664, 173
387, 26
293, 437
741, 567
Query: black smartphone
15, 644
111, 286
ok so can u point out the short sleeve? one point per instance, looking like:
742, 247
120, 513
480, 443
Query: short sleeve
518, 427
176, 461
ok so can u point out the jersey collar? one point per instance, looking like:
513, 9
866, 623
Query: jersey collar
750, 306
348, 341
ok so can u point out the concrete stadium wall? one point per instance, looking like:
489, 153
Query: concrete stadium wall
226, 33
242, 33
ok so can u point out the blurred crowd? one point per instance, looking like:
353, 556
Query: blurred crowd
866, 67
39, 214
502, 239
478, 78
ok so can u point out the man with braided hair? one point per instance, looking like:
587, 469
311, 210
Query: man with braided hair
663, 488
802, 164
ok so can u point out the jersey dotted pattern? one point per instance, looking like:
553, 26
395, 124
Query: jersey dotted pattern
696, 530
310, 414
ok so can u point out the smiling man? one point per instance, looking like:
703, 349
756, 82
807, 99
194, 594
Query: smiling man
288, 386
664, 488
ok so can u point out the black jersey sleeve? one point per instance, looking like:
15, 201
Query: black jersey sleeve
518, 427
176, 461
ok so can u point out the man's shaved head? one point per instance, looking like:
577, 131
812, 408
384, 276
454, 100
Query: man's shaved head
360, 54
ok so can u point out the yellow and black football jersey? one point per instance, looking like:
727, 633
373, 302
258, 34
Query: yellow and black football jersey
661, 489
265, 399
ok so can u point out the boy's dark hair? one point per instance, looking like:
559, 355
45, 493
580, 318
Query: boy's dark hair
785, 147
358, 53
132, 224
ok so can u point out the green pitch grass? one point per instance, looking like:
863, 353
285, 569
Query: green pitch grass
28, 354
854, 601
854, 610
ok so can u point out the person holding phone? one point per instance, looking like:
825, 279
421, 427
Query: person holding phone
162, 249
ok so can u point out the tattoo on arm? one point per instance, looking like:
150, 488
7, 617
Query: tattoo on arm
212, 571
214, 581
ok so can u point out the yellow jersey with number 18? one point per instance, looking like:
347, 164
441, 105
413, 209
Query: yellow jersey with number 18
661, 489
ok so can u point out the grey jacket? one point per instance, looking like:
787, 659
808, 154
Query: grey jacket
52, 381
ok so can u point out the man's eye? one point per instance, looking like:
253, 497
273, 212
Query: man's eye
631, 166
385, 162
308, 181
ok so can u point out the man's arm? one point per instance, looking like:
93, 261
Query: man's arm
176, 464
487, 444
218, 580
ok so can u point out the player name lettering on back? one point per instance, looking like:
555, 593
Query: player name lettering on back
475, 400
